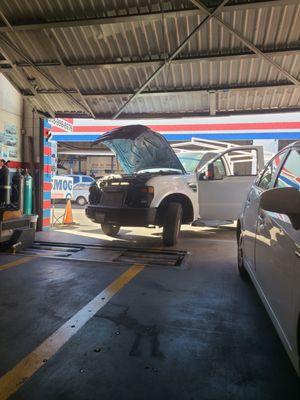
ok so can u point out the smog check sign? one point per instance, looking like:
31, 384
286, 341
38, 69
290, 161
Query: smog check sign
62, 187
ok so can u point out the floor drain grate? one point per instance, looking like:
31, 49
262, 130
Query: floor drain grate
152, 257
84, 252
52, 250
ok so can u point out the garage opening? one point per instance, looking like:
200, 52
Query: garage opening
151, 122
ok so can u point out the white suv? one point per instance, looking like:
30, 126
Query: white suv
269, 244
155, 188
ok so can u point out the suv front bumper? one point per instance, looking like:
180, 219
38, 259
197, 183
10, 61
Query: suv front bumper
121, 216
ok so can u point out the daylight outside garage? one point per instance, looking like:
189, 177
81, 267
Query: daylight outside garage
149, 199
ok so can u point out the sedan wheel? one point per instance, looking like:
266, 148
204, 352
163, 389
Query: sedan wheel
81, 201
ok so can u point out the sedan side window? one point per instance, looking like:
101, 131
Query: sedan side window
289, 175
76, 179
267, 178
87, 179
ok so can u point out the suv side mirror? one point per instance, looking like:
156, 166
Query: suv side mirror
210, 172
202, 176
283, 201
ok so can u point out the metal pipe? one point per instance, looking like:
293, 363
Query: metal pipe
94, 64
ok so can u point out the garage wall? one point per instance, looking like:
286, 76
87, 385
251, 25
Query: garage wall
20, 132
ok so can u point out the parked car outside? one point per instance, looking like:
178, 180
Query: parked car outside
81, 179
81, 193
268, 234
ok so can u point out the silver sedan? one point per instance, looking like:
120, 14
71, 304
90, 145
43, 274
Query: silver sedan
268, 234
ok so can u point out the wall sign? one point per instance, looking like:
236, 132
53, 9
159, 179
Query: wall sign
9, 142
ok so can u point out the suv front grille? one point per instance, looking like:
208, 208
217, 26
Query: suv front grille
112, 198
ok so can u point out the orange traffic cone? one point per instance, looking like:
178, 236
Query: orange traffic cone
68, 217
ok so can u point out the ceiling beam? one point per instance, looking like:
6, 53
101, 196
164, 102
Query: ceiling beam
137, 17
246, 42
217, 89
226, 56
170, 58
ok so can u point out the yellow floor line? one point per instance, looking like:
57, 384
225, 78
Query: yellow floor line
16, 377
16, 262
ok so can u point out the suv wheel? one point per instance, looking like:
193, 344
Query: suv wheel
110, 230
241, 267
172, 224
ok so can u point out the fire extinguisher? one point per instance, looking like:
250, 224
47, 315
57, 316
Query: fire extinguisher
27, 193
17, 190
4, 184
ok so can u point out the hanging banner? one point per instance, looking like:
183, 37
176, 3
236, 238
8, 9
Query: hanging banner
284, 126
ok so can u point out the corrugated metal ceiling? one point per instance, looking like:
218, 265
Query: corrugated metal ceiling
89, 57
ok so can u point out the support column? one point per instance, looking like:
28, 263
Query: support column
47, 165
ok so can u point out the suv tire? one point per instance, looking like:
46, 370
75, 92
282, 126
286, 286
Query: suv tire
172, 224
110, 230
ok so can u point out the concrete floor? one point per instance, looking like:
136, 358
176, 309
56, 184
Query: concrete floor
192, 332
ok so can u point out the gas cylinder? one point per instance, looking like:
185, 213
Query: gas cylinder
27, 209
17, 190
4, 185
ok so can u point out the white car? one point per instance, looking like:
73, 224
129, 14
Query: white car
81, 192
268, 234
155, 188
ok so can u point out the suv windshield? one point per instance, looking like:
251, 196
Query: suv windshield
193, 161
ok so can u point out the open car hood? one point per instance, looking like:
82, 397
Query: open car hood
139, 148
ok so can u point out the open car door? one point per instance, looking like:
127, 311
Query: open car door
223, 184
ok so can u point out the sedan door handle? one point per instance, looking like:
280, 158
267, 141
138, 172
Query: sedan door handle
297, 253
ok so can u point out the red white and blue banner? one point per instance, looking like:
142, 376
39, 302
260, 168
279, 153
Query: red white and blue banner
251, 127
